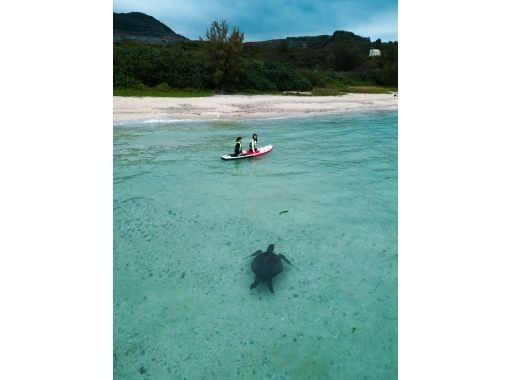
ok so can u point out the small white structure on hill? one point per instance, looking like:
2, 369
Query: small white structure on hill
374, 53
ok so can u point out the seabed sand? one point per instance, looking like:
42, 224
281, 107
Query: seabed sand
238, 107
185, 222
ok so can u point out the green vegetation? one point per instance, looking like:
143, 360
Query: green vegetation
370, 89
223, 55
159, 92
318, 65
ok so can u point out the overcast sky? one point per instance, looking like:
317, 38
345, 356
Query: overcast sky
270, 19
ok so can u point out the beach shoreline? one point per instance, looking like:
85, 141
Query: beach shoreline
242, 107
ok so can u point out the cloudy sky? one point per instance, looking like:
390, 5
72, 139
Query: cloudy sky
269, 19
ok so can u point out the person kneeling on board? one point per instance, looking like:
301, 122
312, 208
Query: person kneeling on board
253, 144
238, 150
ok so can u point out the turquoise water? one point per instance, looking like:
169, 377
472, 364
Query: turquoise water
184, 222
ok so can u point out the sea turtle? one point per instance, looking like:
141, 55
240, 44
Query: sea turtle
267, 265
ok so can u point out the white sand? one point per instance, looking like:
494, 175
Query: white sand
236, 107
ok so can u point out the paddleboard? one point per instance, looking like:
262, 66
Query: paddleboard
259, 152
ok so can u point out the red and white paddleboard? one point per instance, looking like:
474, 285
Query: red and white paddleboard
259, 152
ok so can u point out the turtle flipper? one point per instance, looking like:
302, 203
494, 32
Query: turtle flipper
284, 258
258, 252
270, 285
255, 283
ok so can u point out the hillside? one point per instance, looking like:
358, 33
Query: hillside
325, 64
141, 27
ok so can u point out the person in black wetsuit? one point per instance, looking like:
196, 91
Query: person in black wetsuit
238, 150
253, 144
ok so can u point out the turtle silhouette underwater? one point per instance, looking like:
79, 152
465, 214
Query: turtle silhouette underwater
266, 265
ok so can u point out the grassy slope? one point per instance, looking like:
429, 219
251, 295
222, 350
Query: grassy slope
318, 91
155, 92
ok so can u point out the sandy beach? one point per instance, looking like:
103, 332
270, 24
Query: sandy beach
238, 107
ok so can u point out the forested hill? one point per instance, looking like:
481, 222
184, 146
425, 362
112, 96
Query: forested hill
325, 64
141, 27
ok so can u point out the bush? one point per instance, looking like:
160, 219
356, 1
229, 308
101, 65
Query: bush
387, 75
253, 76
123, 80
286, 78
314, 77
179, 66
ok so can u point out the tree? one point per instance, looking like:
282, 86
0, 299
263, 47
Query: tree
223, 54
344, 57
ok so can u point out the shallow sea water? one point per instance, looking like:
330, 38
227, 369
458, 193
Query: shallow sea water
184, 222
